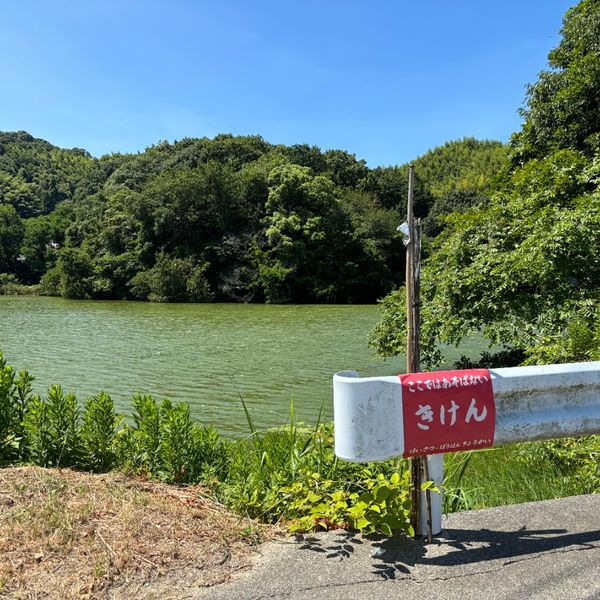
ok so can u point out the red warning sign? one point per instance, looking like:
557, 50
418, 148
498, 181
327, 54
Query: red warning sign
447, 411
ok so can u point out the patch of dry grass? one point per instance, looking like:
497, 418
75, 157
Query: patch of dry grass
66, 534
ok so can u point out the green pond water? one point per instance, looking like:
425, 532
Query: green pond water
202, 354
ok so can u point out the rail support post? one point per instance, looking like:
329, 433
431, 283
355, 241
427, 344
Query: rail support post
435, 473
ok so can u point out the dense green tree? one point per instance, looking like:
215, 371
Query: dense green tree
344, 169
173, 280
520, 270
466, 165
563, 105
459, 175
37, 248
390, 186
525, 268
310, 249
11, 236
76, 273
375, 228
306, 156
191, 207
44, 236
36, 176
457, 201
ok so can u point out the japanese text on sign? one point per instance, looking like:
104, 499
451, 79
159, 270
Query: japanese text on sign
447, 411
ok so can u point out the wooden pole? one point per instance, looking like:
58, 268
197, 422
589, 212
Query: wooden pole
412, 358
418, 465
412, 338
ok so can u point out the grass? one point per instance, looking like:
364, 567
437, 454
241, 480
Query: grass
67, 534
510, 475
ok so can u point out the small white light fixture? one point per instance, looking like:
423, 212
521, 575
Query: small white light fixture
404, 229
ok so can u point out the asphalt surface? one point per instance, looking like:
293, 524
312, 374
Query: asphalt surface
528, 551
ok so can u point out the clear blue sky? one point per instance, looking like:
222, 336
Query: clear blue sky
386, 80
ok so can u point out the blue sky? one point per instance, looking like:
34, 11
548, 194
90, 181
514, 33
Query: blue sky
386, 80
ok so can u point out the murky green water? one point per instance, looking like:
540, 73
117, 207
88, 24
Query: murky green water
202, 354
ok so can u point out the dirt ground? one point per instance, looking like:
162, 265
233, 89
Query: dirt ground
66, 534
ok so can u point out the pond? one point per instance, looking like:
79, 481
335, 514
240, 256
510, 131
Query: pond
204, 354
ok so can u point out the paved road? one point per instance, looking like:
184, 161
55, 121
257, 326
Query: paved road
529, 551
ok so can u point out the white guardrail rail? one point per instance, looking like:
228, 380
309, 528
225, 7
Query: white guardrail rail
532, 403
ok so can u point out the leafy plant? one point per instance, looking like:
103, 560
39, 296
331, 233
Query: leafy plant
139, 445
211, 454
164, 442
373, 504
15, 395
52, 428
578, 458
292, 475
98, 432
176, 448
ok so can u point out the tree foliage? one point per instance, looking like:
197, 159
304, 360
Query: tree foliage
12, 232
524, 268
36, 176
563, 105
232, 218
457, 176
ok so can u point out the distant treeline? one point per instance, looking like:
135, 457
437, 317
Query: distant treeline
232, 218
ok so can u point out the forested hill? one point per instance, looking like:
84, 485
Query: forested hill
35, 176
233, 218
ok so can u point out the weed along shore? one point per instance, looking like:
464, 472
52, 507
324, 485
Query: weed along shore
92, 501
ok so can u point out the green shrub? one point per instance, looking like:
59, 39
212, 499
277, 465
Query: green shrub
138, 446
576, 458
374, 504
50, 283
52, 429
164, 442
211, 454
98, 433
15, 395
76, 273
8, 283
176, 449
173, 280
38, 432
292, 475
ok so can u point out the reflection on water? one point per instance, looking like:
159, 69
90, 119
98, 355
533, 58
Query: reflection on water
195, 353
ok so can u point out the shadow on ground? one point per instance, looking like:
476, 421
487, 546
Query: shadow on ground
394, 557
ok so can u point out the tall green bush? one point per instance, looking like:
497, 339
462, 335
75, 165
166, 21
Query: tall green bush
164, 442
15, 395
98, 432
52, 426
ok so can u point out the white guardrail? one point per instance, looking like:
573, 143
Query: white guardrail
531, 403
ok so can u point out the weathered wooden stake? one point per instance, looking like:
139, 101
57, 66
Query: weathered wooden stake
418, 466
412, 344
412, 283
